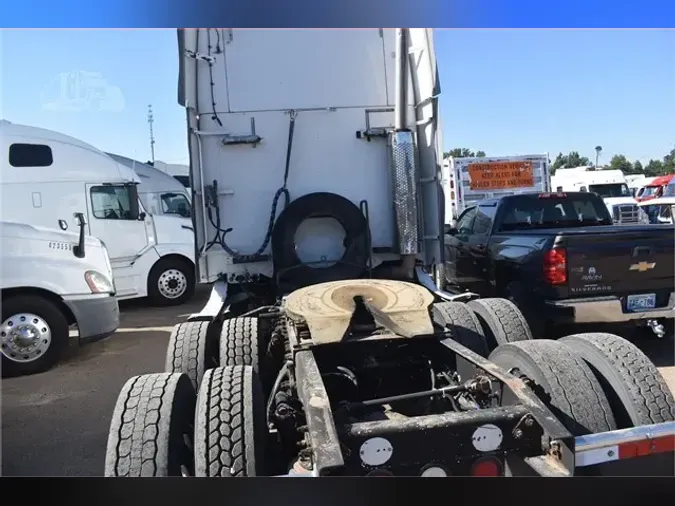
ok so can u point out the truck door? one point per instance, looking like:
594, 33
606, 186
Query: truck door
476, 268
456, 248
114, 218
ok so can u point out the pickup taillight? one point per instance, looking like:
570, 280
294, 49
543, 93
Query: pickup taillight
555, 266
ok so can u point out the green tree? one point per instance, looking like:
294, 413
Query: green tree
655, 168
637, 167
620, 162
463, 153
669, 162
569, 161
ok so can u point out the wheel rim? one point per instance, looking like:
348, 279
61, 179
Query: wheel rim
172, 284
25, 337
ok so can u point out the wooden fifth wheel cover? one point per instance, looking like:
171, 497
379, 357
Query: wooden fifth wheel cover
327, 308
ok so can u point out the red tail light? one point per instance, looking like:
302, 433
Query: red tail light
487, 467
555, 266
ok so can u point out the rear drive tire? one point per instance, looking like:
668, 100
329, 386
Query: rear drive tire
565, 383
501, 320
464, 325
230, 425
191, 351
171, 282
637, 392
34, 334
152, 426
241, 342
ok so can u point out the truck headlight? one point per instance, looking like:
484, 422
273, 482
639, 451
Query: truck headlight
643, 218
97, 282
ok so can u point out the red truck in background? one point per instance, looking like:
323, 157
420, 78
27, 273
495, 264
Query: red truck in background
654, 189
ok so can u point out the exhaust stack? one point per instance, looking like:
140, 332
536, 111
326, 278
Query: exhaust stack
403, 164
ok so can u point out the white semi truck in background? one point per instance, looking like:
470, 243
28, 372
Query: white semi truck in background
47, 177
327, 347
468, 180
50, 281
611, 185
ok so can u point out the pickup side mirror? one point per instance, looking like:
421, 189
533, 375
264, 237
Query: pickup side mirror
141, 216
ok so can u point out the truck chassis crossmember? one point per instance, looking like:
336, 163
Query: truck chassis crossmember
519, 423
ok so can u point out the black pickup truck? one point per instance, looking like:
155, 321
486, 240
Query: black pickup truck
558, 257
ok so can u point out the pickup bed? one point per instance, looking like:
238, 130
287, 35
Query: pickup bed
561, 261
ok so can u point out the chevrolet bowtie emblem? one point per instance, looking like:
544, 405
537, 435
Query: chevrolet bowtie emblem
642, 266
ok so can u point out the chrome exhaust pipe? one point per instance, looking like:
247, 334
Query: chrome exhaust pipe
403, 164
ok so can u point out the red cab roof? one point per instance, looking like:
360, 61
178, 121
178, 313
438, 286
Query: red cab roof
662, 180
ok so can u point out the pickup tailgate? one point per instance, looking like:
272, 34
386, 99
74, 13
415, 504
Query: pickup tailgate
621, 261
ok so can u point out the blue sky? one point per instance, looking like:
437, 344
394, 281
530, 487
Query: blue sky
503, 91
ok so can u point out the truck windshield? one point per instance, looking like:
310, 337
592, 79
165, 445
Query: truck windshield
650, 191
669, 191
610, 190
184, 180
577, 210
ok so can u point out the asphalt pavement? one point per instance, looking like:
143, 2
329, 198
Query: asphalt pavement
56, 423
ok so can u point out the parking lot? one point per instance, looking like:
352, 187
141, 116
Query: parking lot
56, 423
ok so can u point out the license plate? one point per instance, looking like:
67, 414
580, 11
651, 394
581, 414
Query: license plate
635, 303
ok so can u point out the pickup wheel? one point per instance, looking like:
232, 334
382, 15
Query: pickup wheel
191, 351
464, 325
33, 334
501, 320
637, 392
230, 426
152, 426
240, 342
562, 380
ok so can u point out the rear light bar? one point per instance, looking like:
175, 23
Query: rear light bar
555, 266
624, 444
552, 195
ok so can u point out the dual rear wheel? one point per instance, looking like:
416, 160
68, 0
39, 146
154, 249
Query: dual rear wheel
206, 415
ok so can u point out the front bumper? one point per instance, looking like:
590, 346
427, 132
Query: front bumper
96, 317
603, 310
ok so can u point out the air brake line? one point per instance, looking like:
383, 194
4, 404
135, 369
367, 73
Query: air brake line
212, 201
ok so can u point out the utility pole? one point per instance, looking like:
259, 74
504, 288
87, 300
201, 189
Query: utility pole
151, 120
598, 149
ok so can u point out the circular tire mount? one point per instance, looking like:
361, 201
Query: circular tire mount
171, 282
464, 325
33, 334
230, 430
190, 351
637, 392
562, 380
152, 427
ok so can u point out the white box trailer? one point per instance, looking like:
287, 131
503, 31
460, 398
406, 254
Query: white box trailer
468, 180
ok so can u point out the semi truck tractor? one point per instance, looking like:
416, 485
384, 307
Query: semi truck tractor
327, 347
